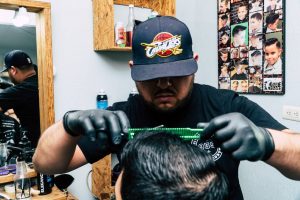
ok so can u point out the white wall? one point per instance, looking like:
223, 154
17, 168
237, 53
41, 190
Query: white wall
81, 72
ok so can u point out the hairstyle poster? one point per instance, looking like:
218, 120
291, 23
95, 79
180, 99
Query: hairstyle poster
251, 46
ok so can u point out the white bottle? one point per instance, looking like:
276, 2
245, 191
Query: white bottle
120, 35
130, 26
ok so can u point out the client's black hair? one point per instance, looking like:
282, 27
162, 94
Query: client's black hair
161, 166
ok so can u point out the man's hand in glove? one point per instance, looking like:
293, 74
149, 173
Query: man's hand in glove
240, 137
97, 124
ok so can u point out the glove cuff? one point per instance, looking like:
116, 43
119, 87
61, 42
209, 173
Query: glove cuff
65, 124
269, 142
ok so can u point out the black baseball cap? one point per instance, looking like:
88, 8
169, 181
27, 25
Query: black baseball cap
16, 58
162, 47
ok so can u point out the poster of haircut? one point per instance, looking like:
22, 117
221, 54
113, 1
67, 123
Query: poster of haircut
251, 46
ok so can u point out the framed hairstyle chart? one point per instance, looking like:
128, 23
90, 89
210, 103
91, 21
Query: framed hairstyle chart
251, 46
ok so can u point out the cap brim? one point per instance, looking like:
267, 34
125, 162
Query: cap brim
170, 69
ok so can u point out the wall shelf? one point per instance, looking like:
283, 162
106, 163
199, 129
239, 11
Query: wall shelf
103, 14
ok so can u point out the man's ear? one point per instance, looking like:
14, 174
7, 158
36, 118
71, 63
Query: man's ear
196, 56
130, 63
13, 69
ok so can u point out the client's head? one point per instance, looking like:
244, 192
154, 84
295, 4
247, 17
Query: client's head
161, 166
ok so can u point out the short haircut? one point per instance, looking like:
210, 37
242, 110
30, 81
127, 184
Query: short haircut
241, 62
244, 50
253, 1
257, 16
158, 165
271, 18
243, 4
237, 29
272, 41
224, 33
224, 17
225, 65
226, 1
223, 51
256, 53
244, 81
237, 82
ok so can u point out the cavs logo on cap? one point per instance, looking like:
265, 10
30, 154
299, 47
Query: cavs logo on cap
164, 45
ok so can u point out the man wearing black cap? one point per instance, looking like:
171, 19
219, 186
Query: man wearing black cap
23, 97
163, 68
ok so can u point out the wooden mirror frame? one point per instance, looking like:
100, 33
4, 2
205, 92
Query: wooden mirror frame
44, 54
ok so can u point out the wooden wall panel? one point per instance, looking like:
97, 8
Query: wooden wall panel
103, 24
164, 7
101, 179
45, 66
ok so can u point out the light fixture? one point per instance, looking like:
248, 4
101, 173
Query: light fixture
21, 17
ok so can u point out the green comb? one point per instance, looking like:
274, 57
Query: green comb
184, 133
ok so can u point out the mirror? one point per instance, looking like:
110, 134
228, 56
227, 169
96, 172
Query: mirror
43, 56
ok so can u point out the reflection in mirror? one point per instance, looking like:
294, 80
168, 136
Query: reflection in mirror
44, 62
19, 96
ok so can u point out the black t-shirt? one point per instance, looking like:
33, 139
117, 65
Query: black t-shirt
205, 103
24, 99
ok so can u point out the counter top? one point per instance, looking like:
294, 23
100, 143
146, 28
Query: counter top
10, 177
56, 194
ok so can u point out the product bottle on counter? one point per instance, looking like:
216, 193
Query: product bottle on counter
102, 101
22, 181
45, 183
130, 26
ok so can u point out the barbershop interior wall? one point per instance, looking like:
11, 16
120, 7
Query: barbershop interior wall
80, 73
258, 180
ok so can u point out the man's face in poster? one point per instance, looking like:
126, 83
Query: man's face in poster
224, 39
255, 24
223, 7
242, 12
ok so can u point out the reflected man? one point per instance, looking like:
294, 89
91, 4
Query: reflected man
23, 97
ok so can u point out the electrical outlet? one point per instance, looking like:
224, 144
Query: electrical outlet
291, 113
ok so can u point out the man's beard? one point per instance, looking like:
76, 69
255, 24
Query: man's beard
168, 111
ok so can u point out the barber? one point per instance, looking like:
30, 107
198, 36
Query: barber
23, 97
163, 69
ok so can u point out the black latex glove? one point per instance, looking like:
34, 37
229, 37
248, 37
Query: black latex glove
240, 137
97, 124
